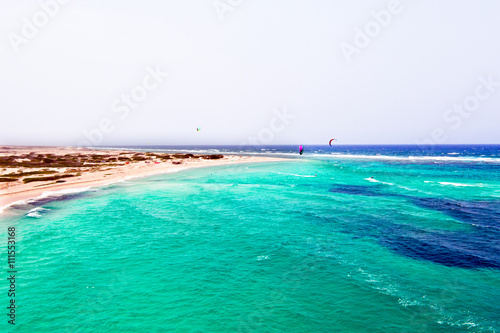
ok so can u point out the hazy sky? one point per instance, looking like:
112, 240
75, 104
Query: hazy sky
361, 71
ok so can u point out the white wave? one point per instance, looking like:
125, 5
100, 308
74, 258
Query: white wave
407, 302
37, 212
60, 193
411, 189
295, 175
49, 194
15, 203
373, 180
419, 158
460, 185
400, 186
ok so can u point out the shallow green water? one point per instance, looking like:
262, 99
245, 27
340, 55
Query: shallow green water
307, 246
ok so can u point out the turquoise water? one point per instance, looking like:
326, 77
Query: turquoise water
300, 246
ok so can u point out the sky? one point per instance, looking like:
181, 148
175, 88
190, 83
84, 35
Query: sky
123, 72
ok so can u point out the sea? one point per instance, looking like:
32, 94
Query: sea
340, 239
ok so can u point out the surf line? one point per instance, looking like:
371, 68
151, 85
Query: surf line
11, 272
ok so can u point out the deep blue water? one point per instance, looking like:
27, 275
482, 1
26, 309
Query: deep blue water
340, 239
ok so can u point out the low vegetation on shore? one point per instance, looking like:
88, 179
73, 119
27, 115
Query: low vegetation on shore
44, 167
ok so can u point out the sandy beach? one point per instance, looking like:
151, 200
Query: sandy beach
29, 172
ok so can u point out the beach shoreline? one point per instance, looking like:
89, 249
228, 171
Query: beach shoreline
89, 174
